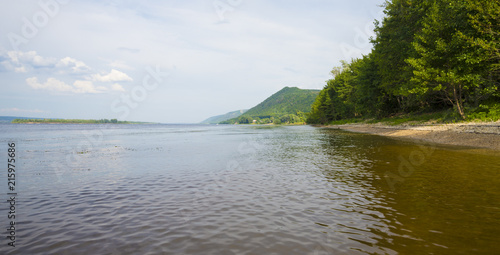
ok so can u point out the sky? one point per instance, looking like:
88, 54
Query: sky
170, 61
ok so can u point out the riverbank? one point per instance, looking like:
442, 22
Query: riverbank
480, 135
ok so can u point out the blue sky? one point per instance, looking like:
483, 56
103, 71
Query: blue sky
170, 61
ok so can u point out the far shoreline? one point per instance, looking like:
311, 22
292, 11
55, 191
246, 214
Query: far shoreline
77, 123
479, 135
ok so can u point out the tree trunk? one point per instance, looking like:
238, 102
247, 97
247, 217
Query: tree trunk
457, 97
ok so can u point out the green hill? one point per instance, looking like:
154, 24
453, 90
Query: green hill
288, 105
286, 101
223, 117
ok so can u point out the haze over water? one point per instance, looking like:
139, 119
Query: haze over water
192, 189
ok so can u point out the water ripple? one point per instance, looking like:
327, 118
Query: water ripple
167, 190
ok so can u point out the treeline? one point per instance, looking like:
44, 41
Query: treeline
298, 118
72, 121
427, 56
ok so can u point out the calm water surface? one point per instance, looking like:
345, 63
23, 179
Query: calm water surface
188, 189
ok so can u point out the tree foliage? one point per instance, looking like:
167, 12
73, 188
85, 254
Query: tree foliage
427, 55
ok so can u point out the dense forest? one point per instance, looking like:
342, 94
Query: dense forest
428, 56
289, 105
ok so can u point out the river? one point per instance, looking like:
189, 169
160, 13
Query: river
201, 189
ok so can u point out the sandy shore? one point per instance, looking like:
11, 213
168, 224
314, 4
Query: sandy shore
479, 135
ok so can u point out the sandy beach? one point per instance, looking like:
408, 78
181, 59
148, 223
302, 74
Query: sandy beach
479, 135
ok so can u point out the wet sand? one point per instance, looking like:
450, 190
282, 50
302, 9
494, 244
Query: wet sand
479, 135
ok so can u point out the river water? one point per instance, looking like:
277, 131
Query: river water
193, 189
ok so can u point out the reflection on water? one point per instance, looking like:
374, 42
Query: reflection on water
433, 199
172, 189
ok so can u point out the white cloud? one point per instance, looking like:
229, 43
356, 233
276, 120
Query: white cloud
30, 58
75, 65
117, 87
85, 87
22, 62
52, 84
113, 76
26, 62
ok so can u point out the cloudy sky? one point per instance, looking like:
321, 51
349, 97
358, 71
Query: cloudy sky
170, 61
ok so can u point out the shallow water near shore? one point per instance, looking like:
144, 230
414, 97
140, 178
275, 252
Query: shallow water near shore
195, 189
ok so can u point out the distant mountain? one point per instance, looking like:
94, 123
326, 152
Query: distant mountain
289, 105
224, 117
286, 101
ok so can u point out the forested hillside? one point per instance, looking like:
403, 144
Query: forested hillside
428, 56
288, 105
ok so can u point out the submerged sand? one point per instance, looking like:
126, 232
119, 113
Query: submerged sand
480, 135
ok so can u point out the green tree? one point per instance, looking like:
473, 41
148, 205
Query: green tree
322, 108
393, 45
371, 100
245, 119
427, 55
446, 61
484, 17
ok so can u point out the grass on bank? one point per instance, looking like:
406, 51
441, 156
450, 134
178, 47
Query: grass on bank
482, 113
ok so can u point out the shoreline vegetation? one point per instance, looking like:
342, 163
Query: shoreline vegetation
433, 74
75, 121
444, 60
